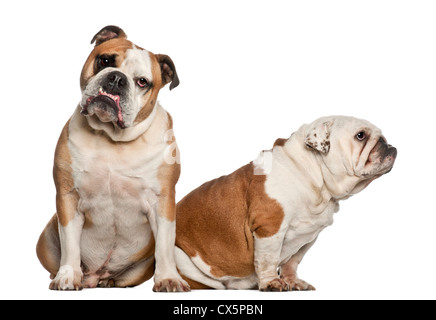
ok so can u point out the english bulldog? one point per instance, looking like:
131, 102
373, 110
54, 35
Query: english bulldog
115, 169
251, 229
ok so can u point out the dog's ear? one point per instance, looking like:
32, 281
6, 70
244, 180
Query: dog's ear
168, 70
108, 33
318, 136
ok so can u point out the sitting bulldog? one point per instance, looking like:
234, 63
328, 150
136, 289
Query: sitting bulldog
251, 229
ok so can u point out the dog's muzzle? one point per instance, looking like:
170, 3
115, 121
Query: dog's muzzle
107, 103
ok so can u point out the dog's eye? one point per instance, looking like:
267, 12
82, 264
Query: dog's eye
361, 136
104, 62
142, 82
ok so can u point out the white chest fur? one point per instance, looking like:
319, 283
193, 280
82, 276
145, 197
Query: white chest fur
114, 175
118, 188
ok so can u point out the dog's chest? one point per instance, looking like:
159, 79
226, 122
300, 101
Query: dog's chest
106, 189
117, 182
303, 228
115, 178
118, 187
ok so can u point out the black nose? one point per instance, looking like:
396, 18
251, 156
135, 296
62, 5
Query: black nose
387, 149
392, 151
115, 82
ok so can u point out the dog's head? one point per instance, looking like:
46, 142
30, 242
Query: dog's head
120, 81
353, 152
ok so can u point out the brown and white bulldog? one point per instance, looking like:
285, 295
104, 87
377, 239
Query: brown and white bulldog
115, 170
251, 229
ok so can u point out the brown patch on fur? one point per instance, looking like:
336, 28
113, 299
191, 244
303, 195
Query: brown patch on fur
88, 221
217, 221
266, 214
168, 175
280, 142
212, 222
48, 248
66, 195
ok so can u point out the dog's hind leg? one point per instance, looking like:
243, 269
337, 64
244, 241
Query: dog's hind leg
48, 248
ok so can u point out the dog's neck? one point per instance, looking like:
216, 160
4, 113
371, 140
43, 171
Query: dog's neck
117, 134
294, 156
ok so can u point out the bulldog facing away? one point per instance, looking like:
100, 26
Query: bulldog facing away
115, 173
251, 229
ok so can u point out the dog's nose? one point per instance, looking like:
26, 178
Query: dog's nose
115, 82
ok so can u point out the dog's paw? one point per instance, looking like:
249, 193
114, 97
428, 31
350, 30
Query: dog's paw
67, 279
275, 285
299, 285
171, 285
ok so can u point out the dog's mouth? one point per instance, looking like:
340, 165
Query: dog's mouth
106, 106
381, 159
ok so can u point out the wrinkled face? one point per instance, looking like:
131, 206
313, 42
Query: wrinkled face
120, 82
353, 150
372, 154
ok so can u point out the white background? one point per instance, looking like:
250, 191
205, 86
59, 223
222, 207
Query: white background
250, 72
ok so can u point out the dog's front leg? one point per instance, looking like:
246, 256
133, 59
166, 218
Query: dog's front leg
70, 221
69, 275
266, 261
163, 224
288, 271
